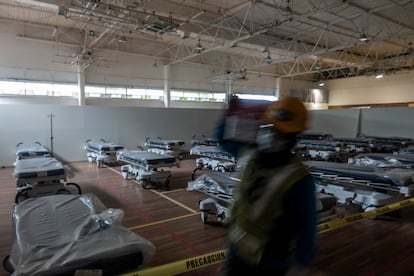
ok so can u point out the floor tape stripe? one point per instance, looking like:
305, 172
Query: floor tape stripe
162, 221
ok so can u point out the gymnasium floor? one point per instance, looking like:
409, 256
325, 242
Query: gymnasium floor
171, 221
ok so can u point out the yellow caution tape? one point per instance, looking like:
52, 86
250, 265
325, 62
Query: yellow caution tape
328, 226
183, 265
218, 256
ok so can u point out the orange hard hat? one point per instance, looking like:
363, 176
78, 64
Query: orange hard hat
288, 115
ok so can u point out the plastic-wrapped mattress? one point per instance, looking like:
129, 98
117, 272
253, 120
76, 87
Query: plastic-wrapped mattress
31, 151
384, 160
211, 151
55, 235
145, 158
38, 167
164, 143
395, 176
103, 146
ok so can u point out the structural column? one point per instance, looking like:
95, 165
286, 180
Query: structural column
277, 88
229, 91
81, 85
167, 86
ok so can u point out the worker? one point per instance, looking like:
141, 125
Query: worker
272, 224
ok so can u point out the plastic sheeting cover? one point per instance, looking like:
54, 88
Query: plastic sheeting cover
59, 233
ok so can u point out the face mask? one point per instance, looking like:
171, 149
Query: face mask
269, 140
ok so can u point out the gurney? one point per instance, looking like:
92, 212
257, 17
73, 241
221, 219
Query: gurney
220, 187
366, 186
101, 151
40, 176
391, 144
30, 151
144, 166
204, 141
384, 160
174, 147
407, 150
60, 234
359, 144
214, 158
320, 150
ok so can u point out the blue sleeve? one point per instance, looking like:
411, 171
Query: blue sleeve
303, 197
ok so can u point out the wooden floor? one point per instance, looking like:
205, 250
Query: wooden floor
171, 221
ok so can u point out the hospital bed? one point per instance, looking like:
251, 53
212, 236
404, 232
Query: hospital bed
60, 234
214, 158
101, 151
320, 150
366, 186
146, 167
174, 147
220, 188
204, 141
391, 144
384, 160
407, 150
29, 151
41, 176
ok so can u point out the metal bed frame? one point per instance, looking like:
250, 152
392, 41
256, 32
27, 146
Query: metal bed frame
102, 151
144, 166
41, 176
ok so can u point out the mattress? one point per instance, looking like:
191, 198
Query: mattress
206, 141
31, 151
211, 151
385, 160
214, 183
164, 143
103, 146
395, 176
38, 167
57, 234
145, 158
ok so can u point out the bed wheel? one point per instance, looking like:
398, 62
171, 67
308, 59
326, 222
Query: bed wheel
204, 216
167, 184
144, 184
221, 169
78, 188
90, 159
22, 194
7, 265
193, 173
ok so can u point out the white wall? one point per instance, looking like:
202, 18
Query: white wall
395, 88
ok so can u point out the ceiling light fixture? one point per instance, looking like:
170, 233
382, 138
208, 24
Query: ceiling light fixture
286, 10
122, 39
321, 84
379, 75
198, 48
363, 37
268, 58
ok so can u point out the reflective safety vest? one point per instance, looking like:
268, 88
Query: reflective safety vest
258, 204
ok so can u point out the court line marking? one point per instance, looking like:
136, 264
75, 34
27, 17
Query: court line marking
161, 195
162, 221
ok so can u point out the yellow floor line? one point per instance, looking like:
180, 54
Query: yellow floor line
175, 190
161, 195
162, 221
174, 201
